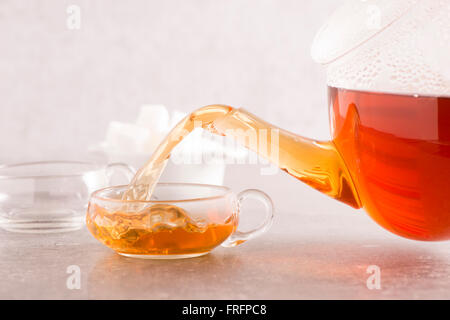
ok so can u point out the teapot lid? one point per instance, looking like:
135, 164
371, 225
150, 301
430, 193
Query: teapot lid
353, 23
391, 46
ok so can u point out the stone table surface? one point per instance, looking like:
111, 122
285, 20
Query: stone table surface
316, 249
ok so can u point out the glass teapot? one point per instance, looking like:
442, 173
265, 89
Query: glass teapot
388, 76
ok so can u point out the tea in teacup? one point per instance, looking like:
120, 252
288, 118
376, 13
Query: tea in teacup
161, 229
191, 221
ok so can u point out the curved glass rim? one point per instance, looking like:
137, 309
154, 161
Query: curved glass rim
226, 191
94, 166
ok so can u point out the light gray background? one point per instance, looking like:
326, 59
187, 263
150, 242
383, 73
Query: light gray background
59, 88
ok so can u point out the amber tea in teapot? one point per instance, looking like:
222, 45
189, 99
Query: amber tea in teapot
397, 148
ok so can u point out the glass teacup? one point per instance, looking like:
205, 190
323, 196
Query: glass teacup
51, 196
184, 220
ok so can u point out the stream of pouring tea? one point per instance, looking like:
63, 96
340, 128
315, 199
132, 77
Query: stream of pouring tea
145, 180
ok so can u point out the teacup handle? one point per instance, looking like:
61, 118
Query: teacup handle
239, 237
126, 170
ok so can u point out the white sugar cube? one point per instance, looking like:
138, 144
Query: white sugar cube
154, 117
126, 137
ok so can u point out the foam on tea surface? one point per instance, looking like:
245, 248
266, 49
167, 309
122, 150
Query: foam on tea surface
388, 46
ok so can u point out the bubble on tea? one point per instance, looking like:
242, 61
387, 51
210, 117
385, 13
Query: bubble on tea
398, 47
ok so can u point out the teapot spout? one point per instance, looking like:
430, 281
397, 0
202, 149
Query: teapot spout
316, 163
